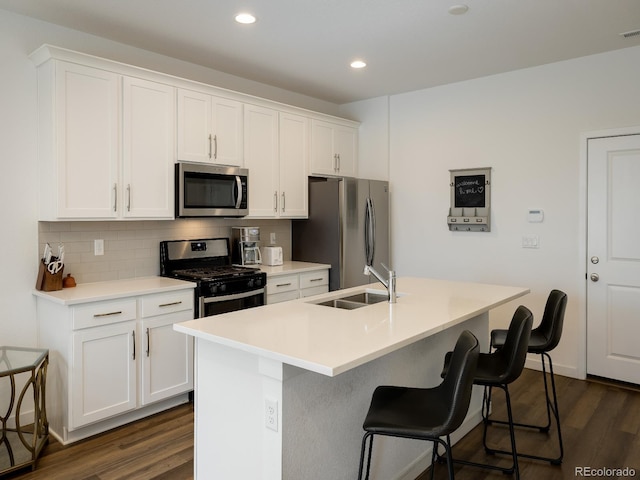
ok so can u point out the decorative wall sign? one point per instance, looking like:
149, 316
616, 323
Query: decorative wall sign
470, 200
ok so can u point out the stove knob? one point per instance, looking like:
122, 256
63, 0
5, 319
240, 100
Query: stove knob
213, 288
223, 288
259, 282
250, 283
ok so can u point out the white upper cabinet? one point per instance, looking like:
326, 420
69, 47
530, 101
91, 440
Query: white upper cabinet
110, 134
209, 129
294, 159
106, 144
276, 154
79, 122
334, 149
148, 149
261, 158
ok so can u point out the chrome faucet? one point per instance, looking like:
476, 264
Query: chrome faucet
389, 283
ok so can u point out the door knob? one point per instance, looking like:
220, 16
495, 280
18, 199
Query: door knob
595, 277
595, 260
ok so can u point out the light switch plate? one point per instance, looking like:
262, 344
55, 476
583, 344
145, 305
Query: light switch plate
530, 241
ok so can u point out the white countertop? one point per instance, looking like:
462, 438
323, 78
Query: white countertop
292, 267
92, 292
330, 341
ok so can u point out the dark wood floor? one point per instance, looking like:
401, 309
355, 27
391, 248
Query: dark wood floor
600, 426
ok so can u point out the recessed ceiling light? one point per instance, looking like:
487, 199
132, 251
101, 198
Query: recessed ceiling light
245, 18
358, 64
458, 9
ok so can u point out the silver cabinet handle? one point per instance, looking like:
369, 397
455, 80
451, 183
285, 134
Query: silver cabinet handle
148, 343
315, 279
215, 145
128, 197
133, 336
338, 158
170, 304
275, 202
335, 162
98, 315
209, 146
283, 203
283, 284
115, 197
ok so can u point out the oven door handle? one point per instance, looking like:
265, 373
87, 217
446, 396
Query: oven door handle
235, 296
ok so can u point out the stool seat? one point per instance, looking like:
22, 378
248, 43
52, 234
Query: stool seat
544, 338
497, 370
424, 413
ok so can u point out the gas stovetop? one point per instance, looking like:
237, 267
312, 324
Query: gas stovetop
203, 260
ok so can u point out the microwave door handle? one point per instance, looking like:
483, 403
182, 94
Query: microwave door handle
239, 187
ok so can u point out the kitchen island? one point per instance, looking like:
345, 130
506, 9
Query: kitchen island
282, 390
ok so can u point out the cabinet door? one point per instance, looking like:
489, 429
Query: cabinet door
194, 126
345, 143
294, 154
334, 149
209, 129
261, 158
103, 374
227, 130
148, 149
167, 359
323, 160
87, 141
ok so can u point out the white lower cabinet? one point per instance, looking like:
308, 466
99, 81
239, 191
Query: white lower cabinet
282, 288
114, 358
103, 373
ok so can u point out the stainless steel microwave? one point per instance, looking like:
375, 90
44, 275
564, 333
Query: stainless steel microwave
211, 190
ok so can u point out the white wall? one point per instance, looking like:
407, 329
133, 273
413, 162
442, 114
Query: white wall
19, 36
526, 125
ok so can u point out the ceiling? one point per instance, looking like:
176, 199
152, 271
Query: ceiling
306, 46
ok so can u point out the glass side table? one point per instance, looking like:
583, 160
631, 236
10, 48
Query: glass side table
21, 445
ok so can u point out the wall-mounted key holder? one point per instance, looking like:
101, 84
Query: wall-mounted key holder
470, 209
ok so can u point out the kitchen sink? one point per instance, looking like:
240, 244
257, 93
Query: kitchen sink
368, 298
351, 302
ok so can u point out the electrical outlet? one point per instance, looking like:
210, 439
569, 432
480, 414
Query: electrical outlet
272, 238
98, 247
271, 414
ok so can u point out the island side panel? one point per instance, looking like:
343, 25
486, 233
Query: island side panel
323, 416
231, 440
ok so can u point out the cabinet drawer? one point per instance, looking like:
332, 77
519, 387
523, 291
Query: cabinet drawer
103, 313
161, 303
282, 283
314, 279
282, 297
308, 292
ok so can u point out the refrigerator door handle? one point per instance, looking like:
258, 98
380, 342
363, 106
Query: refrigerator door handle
369, 231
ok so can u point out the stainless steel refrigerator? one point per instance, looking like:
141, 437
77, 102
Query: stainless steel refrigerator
348, 226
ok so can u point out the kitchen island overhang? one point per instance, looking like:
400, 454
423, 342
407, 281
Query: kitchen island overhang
319, 365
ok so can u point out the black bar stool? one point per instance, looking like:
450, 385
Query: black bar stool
425, 413
499, 369
544, 338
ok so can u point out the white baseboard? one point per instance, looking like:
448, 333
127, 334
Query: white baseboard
566, 371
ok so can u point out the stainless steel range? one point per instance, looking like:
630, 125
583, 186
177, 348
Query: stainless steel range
221, 287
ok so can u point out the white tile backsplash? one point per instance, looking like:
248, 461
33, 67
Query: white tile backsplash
131, 249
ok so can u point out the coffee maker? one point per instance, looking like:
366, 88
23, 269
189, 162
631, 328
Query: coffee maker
246, 246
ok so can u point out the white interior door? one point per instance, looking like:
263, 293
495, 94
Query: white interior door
613, 258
